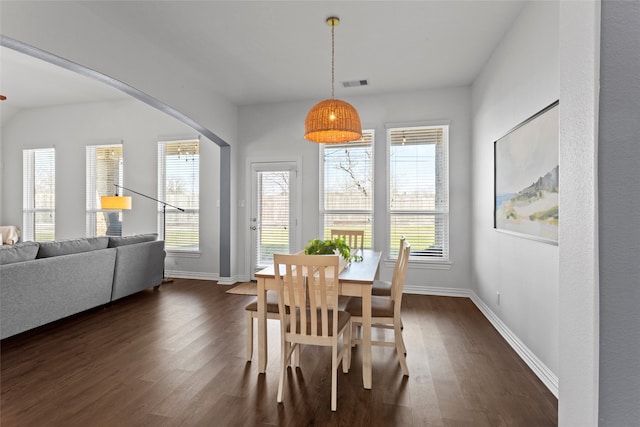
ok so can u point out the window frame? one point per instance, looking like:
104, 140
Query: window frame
368, 137
29, 194
92, 198
164, 210
442, 181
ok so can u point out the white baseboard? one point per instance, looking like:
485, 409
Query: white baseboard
190, 275
548, 378
227, 281
177, 274
443, 292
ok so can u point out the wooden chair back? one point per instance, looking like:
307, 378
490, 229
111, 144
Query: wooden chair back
308, 285
399, 274
396, 267
353, 238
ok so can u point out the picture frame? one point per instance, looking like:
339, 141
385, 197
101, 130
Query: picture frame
526, 172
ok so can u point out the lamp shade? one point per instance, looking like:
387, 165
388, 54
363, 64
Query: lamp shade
332, 121
116, 202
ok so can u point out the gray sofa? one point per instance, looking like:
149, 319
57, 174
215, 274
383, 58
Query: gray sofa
46, 281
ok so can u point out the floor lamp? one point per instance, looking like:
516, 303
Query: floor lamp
124, 202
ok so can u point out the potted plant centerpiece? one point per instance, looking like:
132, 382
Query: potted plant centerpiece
336, 246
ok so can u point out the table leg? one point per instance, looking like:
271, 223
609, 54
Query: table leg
366, 338
262, 327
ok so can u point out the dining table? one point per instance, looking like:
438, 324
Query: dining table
355, 280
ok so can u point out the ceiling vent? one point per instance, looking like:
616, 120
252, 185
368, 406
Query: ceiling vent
355, 83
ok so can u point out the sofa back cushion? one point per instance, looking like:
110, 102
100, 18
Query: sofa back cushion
73, 246
19, 252
114, 242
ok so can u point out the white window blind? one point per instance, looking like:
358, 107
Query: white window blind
346, 187
179, 185
272, 214
419, 191
38, 194
104, 169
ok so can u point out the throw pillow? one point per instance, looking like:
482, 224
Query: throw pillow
19, 252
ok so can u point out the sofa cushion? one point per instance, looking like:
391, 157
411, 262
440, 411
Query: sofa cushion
19, 252
73, 246
114, 242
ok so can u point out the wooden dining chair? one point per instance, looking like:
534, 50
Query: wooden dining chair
383, 287
308, 286
353, 238
385, 313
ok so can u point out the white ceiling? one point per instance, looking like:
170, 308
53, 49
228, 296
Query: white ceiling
255, 52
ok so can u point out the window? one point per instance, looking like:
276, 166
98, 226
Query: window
419, 191
104, 169
39, 194
179, 185
346, 187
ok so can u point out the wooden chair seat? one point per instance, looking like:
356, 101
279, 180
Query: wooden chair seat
271, 303
385, 287
380, 307
381, 288
251, 310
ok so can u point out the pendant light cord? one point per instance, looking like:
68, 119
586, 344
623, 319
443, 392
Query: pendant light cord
332, 121
333, 27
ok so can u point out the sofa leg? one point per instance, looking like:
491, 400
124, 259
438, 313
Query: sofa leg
156, 287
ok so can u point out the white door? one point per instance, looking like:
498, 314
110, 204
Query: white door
272, 218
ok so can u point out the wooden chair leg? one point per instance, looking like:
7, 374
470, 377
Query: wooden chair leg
249, 336
354, 333
404, 349
296, 356
334, 377
284, 361
346, 342
400, 349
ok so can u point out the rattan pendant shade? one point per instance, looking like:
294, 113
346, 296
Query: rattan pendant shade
332, 121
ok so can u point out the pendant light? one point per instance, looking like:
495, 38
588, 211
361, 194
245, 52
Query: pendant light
332, 121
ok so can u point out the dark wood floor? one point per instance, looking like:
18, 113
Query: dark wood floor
177, 357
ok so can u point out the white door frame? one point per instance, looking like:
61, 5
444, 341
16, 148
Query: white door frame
295, 220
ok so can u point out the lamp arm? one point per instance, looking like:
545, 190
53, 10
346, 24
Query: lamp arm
165, 204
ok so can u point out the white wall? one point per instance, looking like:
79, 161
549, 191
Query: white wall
521, 78
276, 130
69, 129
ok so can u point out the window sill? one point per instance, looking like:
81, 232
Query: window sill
430, 265
422, 264
182, 254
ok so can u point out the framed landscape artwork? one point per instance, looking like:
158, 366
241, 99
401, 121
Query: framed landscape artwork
526, 178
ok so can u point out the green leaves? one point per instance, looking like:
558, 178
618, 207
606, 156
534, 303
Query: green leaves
329, 247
